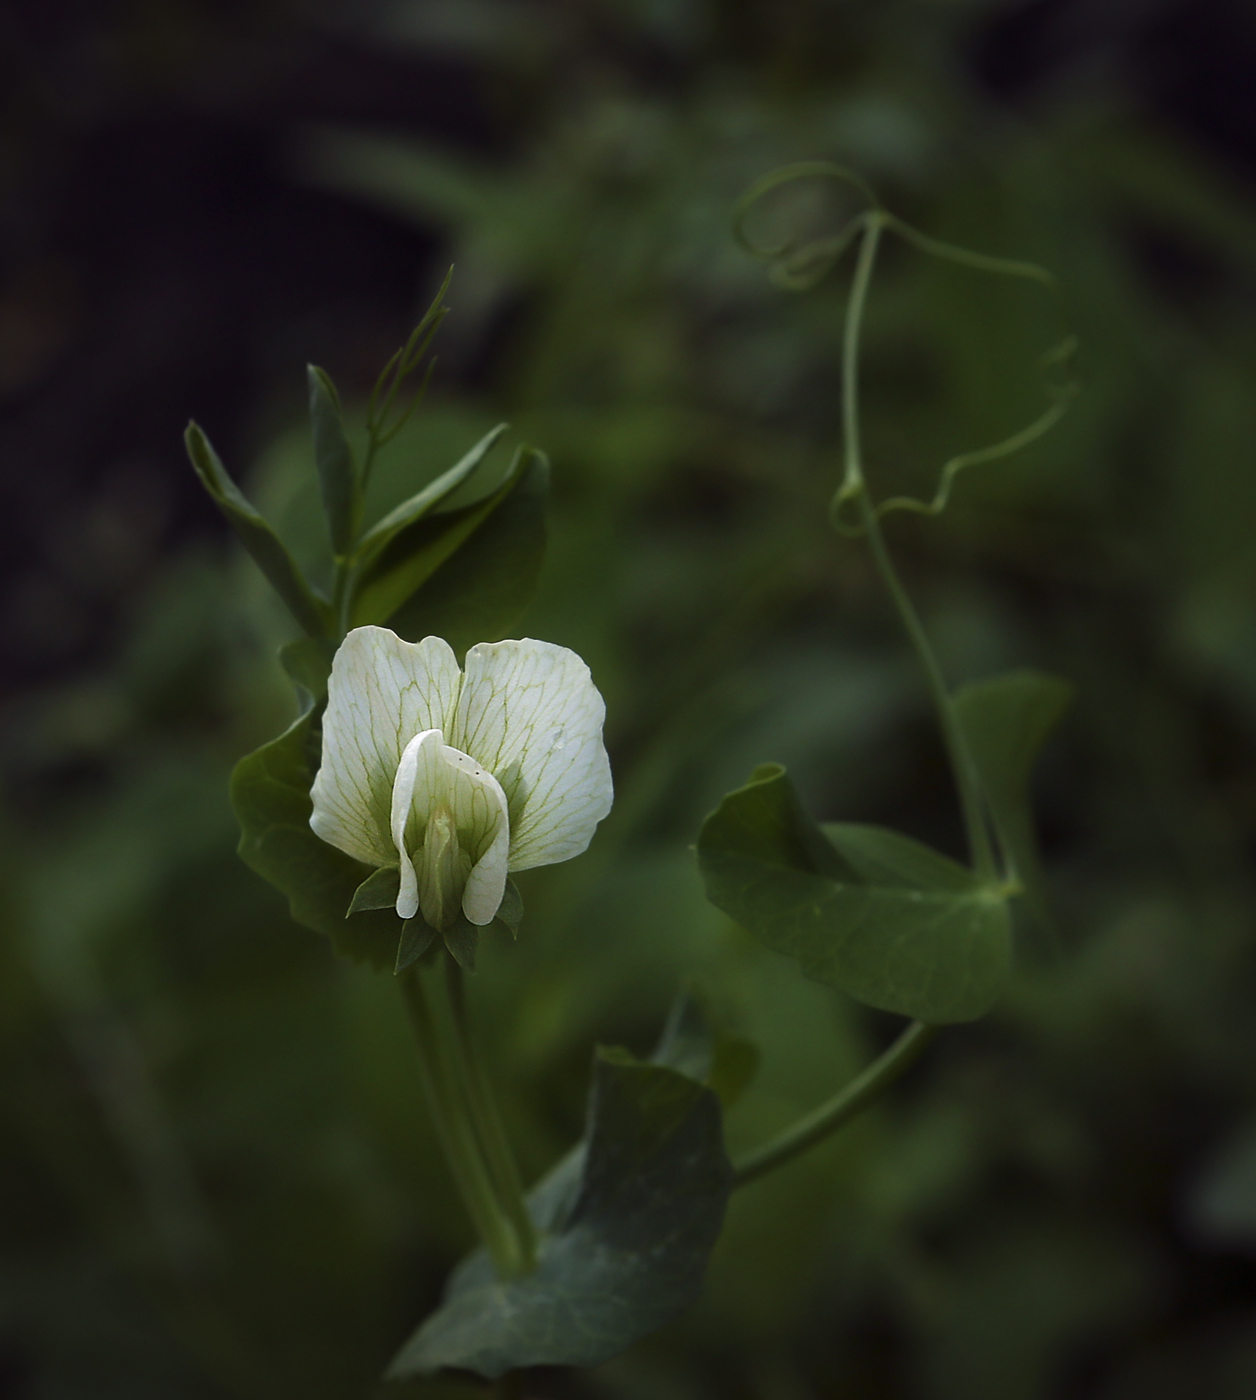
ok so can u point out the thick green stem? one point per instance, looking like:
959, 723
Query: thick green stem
488, 1124
854, 488
839, 1110
451, 1115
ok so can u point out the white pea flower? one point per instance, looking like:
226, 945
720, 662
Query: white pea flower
457, 778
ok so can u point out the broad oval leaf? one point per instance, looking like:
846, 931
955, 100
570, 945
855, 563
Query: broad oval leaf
1006, 720
337, 474
629, 1220
270, 792
875, 914
257, 537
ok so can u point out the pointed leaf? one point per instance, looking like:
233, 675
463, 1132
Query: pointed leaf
270, 791
257, 537
868, 911
381, 534
337, 475
630, 1218
308, 664
694, 1045
1006, 721
414, 554
482, 589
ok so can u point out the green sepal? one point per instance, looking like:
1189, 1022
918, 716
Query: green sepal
889, 921
463, 942
401, 517
510, 911
378, 891
337, 474
417, 936
1006, 720
270, 792
307, 660
268, 551
481, 590
628, 1220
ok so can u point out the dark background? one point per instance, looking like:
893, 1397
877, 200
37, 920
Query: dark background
216, 1176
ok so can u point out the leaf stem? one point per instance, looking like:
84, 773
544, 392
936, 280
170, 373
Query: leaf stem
448, 1103
854, 488
839, 1110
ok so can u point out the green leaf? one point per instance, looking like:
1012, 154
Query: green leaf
270, 791
692, 1044
875, 914
628, 1221
308, 664
415, 553
258, 538
382, 534
337, 475
1006, 720
480, 591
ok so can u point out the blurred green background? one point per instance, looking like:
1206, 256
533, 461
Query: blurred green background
216, 1173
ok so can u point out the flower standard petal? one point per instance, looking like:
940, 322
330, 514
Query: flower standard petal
382, 692
530, 713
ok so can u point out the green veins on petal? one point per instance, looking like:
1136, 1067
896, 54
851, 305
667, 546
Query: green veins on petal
459, 778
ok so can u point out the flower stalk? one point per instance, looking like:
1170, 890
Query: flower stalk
487, 1120
460, 1102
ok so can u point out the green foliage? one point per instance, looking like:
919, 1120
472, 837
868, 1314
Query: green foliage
479, 592
270, 792
257, 536
418, 549
695, 1044
307, 660
333, 457
628, 1221
1006, 720
876, 915
409, 512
